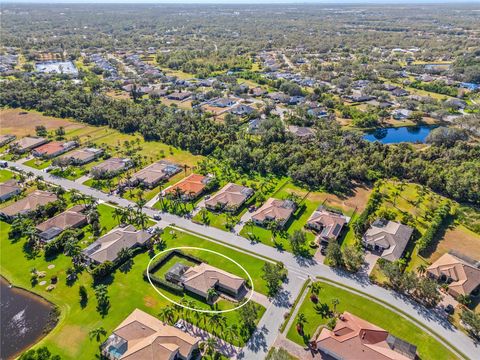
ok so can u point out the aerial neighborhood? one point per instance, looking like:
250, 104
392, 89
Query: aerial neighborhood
240, 181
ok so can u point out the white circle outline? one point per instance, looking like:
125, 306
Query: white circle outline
193, 309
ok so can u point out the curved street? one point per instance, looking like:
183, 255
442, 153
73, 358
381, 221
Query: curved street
299, 269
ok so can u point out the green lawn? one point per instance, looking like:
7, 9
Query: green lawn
38, 163
127, 291
5, 175
428, 348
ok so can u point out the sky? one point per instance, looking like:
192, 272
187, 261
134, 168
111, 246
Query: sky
246, 1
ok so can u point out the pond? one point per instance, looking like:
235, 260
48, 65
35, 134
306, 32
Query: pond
391, 135
25, 316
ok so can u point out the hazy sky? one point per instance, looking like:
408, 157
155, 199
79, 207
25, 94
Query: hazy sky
245, 1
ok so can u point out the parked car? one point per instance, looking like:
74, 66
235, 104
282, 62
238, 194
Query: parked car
157, 216
449, 309
3, 164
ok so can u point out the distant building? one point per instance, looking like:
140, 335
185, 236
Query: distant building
274, 210
229, 198
461, 273
27, 143
242, 110
401, 114
57, 67
110, 167
301, 131
29, 203
190, 187
108, 247
388, 238
53, 149
223, 102
179, 96
5, 139
141, 336
154, 173
356, 339
9, 189
83, 156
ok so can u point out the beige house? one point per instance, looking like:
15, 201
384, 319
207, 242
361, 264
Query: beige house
5, 139
83, 156
9, 189
461, 273
274, 210
154, 173
388, 238
110, 167
27, 143
143, 337
71, 218
230, 197
356, 339
29, 203
107, 247
327, 223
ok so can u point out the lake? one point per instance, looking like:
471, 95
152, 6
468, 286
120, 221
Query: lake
24, 317
391, 135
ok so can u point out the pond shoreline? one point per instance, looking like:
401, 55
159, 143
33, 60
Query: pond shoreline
50, 320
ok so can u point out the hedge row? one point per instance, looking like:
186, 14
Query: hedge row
439, 217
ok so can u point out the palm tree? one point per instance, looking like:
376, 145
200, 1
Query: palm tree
210, 345
118, 213
315, 288
335, 302
211, 294
97, 333
422, 269
166, 314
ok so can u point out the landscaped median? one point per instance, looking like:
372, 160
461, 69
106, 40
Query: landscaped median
329, 294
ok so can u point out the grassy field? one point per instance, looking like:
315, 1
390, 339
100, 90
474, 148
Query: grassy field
5, 175
428, 348
127, 290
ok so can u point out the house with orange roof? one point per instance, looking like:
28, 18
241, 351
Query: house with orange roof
53, 148
141, 336
356, 339
461, 273
188, 188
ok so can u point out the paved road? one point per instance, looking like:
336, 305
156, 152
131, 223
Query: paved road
297, 267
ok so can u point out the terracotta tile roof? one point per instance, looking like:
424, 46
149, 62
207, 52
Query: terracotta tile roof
193, 184
29, 203
356, 339
53, 147
107, 247
65, 220
274, 209
203, 277
156, 172
465, 275
146, 337
231, 195
391, 236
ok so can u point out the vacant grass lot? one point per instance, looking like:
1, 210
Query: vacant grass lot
127, 289
5, 175
428, 348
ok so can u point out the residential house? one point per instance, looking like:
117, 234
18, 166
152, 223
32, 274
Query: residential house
388, 238
461, 273
69, 219
29, 203
456, 104
27, 143
179, 96
318, 112
110, 167
5, 139
199, 279
141, 336
9, 189
258, 91
223, 102
399, 92
83, 156
231, 197
189, 188
274, 210
401, 114
356, 339
107, 247
301, 131
53, 148
242, 110
327, 223
279, 97
254, 125
154, 173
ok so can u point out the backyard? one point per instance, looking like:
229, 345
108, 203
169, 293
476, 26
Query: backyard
318, 314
